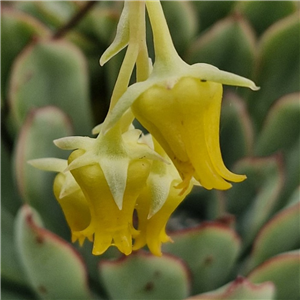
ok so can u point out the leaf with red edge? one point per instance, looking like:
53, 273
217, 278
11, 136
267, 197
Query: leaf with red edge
284, 271
210, 250
144, 276
54, 269
279, 235
240, 289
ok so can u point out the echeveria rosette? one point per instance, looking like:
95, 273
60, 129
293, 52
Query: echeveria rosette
179, 104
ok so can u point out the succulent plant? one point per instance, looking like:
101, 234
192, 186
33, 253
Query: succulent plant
240, 243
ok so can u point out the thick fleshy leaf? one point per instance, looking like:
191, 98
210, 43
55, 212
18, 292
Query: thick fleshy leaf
42, 126
292, 170
204, 9
236, 132
209, 250
53, 13
143, 276
240, 289
11, 270
279, 235
51, 73
278, 71
10, 199
55, 270
17, 30
262, 14
229, 45
14, 294
255, 199
100, 24
284, 271
281, 128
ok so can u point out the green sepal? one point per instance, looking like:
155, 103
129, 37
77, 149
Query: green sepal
41, 127
51, 73
240, 289
283, 271
212, 256
144, 276
54, 269
281, 128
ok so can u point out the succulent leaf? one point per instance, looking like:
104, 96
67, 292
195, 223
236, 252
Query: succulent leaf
40, 128
42, 252
283, 271
17, 29
281, 128
37, 79
279, 235
278, 65
142, 276
11, 269
229, 44
215, 248
240, 289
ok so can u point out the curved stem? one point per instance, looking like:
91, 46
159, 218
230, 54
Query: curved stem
165, 51
136, 9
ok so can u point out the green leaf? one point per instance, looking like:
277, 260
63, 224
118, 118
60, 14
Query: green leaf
281, 128
278, 66
51, 73
209, 250
17, 30
255, 199
15, 294
240, 289
10, 199
11, 270
228, 45
144, 276
262, 14
279, 235
54, 268
42, 126
284, 271
52, 13
209, 12
236, 132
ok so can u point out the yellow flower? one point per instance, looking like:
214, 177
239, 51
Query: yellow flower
180, 106
69, 196
156, 203
100, 185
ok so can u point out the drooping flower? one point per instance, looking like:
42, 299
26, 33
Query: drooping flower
110, 172
69, 196
179, 104
157, 202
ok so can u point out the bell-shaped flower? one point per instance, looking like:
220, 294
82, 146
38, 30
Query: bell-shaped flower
69, 196
179, 104
157, 202
111, 170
